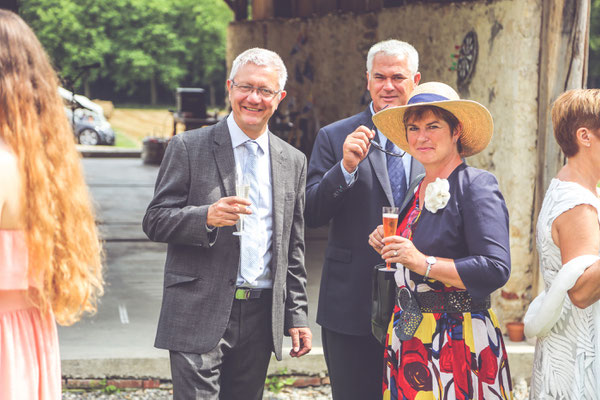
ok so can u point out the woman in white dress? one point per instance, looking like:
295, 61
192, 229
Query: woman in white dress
566, 316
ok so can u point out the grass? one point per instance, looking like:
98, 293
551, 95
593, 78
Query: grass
133, 106
125, 141
132, 123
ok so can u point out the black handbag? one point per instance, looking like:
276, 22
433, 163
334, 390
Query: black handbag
383, 295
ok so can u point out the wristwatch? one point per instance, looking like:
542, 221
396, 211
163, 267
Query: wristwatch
430, 261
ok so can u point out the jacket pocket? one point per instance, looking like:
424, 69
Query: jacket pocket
172, 279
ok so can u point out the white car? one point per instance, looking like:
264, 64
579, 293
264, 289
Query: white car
87, 118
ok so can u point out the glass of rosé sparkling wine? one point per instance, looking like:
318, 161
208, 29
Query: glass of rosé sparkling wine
390, 224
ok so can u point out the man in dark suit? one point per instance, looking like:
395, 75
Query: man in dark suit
228, 299
349, 181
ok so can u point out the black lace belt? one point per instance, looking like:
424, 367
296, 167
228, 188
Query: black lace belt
450, 302
414, 304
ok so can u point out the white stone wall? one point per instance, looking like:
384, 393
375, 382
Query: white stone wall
505, 81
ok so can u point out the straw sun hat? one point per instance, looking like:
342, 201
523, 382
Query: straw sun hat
476, 120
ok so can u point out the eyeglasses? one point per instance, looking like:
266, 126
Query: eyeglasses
378, 146
263, 92
391, 153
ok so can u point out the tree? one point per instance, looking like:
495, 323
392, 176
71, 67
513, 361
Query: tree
71, 34
594, 56
202, 26
160, 43
146, 46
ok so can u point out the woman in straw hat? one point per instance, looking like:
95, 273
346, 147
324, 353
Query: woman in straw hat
49, 251
452, 252
566, 316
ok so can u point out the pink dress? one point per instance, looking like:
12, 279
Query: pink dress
29, 356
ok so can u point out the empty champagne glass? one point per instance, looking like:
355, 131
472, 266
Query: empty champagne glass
241, 190
390, 224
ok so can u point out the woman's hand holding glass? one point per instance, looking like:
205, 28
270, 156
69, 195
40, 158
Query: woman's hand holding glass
397, 249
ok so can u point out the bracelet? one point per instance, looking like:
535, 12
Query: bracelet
430, 261
427, 272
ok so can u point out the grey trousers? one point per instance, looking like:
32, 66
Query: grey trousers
237, 367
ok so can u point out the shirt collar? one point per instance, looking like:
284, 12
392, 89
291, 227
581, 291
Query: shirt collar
238, 137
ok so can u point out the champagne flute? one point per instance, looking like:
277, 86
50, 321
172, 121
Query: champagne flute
241, 190
390, 223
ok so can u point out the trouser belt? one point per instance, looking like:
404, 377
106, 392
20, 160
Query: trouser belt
249, 294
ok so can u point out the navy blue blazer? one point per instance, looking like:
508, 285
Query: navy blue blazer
472, 229
354, 212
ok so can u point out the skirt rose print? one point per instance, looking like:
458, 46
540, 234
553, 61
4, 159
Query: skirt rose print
451, 356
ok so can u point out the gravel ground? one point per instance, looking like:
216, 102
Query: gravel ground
521, 392
314, 393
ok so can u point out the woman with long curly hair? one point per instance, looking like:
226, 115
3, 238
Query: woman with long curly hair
50, 256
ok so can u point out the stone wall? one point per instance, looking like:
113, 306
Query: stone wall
326, 58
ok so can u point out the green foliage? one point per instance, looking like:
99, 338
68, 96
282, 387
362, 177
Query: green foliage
125, 141
278, 381
158, 42
110, 389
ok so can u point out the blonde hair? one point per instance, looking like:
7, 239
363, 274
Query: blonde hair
63, 247
574, 109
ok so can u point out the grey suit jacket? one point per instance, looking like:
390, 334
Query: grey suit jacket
353, 212
200, 271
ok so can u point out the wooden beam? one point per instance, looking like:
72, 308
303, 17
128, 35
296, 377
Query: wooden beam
326, 6
284, 8
239, 8
563, 66
263, 9
305, 8
12, 5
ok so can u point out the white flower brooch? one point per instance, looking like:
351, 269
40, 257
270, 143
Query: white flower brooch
437, 195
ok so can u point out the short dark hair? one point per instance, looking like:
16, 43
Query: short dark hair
417, 112
574, 109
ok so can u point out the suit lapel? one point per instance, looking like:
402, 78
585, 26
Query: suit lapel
410, 192
278, 183
224, 158
416, 169
278, 169
378, 160
379, 164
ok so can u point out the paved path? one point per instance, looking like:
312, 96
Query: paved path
118, 340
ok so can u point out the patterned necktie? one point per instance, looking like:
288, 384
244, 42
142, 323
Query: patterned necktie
251, 264
396, 173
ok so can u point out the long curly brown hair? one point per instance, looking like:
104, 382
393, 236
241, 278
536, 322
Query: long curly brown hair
57, 217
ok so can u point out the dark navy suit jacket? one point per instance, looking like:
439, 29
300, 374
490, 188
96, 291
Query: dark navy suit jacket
354, 211
472, 229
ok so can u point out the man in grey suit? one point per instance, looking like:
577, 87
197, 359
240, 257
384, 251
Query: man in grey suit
349, 181
228, 299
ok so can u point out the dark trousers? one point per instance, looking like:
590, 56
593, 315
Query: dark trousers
355, 365
237, 367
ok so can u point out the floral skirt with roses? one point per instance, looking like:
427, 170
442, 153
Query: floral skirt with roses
451, 356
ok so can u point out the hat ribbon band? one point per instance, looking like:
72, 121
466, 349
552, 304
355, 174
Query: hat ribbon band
426, 98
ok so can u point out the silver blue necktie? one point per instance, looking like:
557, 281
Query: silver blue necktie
396, 173
251, 263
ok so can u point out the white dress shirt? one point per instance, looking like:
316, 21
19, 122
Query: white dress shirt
265, 205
